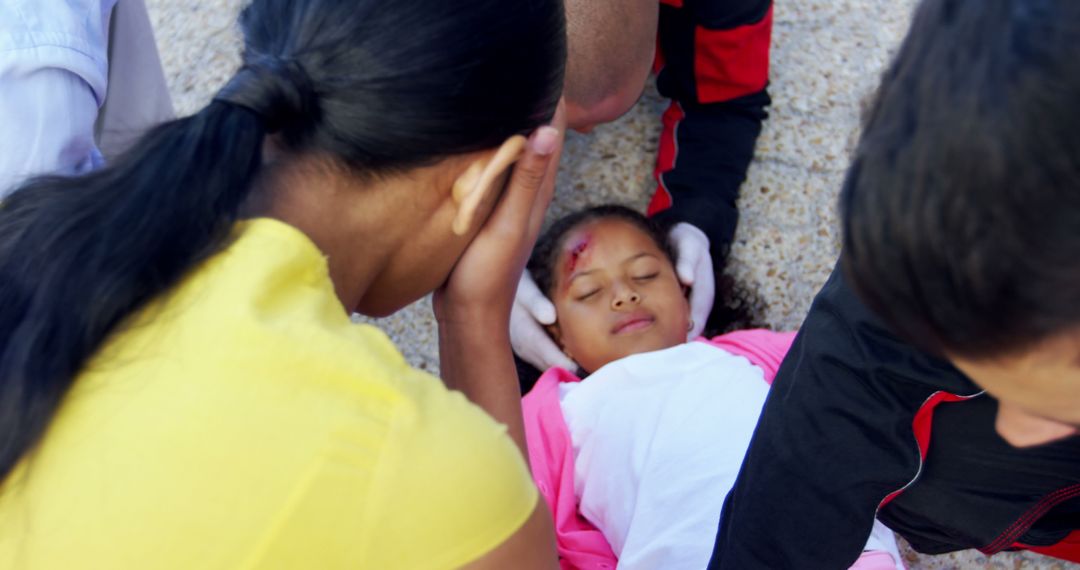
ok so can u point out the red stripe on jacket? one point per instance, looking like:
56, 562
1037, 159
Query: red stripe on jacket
1067, 549
665, 158
921, 426
734, 62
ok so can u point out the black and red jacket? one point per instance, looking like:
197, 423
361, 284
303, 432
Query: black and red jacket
713, 63
859, 422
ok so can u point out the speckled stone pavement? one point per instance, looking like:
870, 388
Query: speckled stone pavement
826, 59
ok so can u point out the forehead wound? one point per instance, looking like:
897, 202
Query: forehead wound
576, 251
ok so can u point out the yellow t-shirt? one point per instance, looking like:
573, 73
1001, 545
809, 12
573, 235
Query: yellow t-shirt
243, 422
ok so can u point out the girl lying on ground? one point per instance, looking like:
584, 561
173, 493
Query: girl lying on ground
633, 460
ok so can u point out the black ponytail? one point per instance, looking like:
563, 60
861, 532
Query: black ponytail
80, 254
332, 78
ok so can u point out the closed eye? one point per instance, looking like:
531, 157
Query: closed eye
588, 295
649, 277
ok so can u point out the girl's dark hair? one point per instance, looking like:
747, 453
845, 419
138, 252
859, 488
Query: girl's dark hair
372, 86
731, 308
961, 211
550, 244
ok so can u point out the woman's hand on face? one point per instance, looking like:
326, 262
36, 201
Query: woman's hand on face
482, 284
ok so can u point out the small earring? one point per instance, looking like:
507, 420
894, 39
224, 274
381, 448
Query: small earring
690, 325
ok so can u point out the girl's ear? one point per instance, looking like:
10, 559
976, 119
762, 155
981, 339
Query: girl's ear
556, 334
478, 182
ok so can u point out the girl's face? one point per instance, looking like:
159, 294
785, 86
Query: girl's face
616, 294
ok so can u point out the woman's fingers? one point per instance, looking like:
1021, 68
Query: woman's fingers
532, 182
547, 188
514, 211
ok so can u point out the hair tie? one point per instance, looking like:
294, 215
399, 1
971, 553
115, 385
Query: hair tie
277, 90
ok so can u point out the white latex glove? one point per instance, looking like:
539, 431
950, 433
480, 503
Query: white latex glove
695, 270
531, 342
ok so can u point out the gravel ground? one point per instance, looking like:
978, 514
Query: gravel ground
826, 59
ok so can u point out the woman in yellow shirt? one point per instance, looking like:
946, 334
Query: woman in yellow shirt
180, 385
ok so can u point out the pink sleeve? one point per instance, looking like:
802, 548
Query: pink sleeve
763, 348
551, 458
875, 560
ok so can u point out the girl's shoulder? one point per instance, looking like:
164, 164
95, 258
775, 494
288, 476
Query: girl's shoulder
764, 348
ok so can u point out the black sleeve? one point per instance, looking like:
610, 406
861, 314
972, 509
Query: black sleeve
716, 74
715, 146
835, 438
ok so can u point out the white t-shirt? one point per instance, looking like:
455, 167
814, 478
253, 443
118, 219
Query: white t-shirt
658, 440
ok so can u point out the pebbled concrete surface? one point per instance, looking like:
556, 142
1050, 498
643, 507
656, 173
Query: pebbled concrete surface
826, 60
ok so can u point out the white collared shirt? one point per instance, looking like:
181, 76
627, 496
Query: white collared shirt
53, 77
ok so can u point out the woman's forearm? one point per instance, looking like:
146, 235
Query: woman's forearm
476, 360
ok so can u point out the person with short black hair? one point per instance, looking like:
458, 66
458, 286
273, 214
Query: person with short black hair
960, 272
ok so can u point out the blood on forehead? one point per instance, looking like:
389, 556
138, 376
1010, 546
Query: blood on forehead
576, 252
